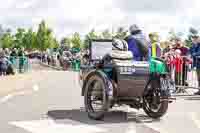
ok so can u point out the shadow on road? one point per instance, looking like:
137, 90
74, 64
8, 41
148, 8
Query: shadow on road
111, 117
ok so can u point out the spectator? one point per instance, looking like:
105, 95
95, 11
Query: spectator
3, 64
21, 52
155, 49
48, 59
195, 53
21, 55
179, 45
2, 53
7, 52
184, 52
178, 63
13, 56
166, 49
14, 53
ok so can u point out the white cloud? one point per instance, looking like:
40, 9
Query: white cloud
68, 16
24, 5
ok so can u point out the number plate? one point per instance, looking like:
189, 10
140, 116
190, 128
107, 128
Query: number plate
127, 70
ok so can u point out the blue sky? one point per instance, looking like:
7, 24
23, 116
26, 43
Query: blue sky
68, 16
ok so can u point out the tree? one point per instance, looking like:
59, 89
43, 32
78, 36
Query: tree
66, 41
76, 40
1, 34
174, 35
89, 36
106, 34
192, 31
121, 33
41, 36
1, 31
19, 36
55, 44
92, 35
44, 37
29, 40
7, 40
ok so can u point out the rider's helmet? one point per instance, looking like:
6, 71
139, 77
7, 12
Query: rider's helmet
134, 29
120, 45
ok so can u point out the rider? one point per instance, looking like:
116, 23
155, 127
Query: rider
137, 44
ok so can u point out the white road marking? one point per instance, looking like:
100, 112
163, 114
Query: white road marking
22, 92
35, 87
50, 126
6, 98
195, 119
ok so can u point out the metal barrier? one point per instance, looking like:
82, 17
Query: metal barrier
184, 73
20, 64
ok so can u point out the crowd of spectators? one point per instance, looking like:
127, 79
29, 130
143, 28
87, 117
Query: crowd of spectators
8, 58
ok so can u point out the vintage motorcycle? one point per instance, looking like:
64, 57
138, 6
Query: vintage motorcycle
123, 81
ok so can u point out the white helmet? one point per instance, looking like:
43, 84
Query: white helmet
120, 45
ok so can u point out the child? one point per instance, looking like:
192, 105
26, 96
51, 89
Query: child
178, 63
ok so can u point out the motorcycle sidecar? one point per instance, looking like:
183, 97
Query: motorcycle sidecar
137, 84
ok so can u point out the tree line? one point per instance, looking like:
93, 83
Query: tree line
44, 38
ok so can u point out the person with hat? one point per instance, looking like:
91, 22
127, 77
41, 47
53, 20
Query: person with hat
195, 53
137, 44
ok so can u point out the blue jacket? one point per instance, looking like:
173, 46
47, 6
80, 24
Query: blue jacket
133, 47
195, 52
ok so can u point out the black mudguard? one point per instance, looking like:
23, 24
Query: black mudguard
156, 82
92, 73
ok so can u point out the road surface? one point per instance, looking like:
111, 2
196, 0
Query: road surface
49, 101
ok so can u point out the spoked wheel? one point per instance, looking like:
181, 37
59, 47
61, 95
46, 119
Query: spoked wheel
96, 99
153, 105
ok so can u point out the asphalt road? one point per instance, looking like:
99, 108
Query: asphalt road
49, 102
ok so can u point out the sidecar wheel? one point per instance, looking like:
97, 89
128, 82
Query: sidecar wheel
157, 109
95, 90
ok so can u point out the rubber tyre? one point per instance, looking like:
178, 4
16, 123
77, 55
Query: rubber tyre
161, 111
91, 113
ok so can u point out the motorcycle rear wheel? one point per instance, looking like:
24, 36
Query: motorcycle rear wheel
159, 108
